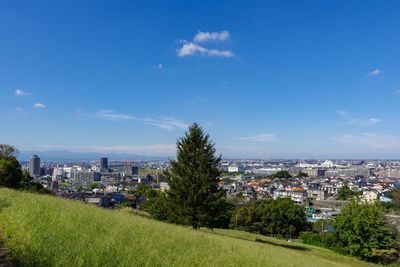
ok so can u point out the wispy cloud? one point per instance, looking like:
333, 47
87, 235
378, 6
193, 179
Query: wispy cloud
159, 66
39, 105
19, 109
190, 49
370, 140
259, 138
213, 36
374, 72
167, 123
20, 92
397, 92
193, 48
357, 122
147, 150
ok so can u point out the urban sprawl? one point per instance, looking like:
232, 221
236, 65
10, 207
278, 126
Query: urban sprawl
110, 183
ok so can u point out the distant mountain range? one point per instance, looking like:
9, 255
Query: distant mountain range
63, 155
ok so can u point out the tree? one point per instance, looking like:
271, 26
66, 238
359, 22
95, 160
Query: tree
394, 194
346, 193
302, 174
93, 186
158, 207
281, 174
194, 197
145, 191
362, 230
26, 180
282, 217
7, 151
10, 169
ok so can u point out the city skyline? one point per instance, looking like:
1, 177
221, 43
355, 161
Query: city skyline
270, 80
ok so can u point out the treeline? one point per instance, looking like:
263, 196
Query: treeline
11, 174
281, 217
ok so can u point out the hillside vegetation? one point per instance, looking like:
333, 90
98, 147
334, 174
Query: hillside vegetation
42, 230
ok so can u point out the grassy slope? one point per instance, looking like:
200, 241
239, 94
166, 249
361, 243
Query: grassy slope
44, 230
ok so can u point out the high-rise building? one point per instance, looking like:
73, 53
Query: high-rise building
103, 164
131, 170
34, 166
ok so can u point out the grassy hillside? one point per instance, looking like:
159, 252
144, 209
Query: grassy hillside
48, 231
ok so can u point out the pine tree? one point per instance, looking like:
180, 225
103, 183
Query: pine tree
194, 197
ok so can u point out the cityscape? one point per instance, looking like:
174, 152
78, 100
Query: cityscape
199, 133
320, 181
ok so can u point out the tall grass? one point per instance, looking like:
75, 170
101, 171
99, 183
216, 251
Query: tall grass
48, 231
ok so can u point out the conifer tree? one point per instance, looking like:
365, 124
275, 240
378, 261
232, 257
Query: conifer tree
194, 197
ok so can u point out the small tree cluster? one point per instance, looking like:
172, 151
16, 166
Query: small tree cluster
346, 193
280, 174
280, 217
361, 230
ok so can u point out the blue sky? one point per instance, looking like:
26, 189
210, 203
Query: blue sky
266, 79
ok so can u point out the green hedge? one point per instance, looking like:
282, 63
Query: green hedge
321, 240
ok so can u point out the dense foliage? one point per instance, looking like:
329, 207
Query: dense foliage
361, 230
320, 240
280, 174
346, 193
11, 175
394, 194
145, 191
10, 170
280, 217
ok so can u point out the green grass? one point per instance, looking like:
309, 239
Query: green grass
150, 171
48, 231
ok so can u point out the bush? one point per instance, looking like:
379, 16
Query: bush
320, 240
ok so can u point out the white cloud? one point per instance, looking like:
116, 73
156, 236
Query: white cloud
167, 123
373, 121
20, 92
159, 66
193, 48
374, 72
366, 122
260, 138
213, 36
358, 122
190, 49
224, 53
397, 92
19, 109
39, 105
371, 140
